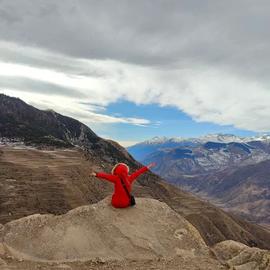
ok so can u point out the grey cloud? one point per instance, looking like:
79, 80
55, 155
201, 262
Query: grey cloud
43, 59
8, 17
233, 35
29, 85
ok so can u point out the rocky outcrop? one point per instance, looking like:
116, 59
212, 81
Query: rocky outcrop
148, 236
238, 256
147, 231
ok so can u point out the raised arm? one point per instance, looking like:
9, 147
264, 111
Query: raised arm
134, 175
106, 176
137, 173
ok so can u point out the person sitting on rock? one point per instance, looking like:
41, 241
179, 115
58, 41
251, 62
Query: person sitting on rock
122, 196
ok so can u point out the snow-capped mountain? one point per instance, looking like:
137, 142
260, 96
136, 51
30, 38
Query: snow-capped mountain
141, 150
223, 138
264, 137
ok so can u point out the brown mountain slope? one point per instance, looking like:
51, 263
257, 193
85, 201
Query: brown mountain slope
40, 181
243, 190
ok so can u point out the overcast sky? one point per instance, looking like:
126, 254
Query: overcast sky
207, 60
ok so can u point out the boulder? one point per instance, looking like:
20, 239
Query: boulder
241, 257
149, 230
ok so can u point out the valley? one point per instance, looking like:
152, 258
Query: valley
230, 171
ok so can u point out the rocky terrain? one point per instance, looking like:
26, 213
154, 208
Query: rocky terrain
99, 236
238, 256
103, 232
230, 171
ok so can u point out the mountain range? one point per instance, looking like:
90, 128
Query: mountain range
42, 176
230, 171
141, 150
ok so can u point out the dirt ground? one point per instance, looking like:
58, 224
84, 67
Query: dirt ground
161, 264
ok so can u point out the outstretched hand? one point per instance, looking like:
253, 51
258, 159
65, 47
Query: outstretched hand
93, 174
153, 164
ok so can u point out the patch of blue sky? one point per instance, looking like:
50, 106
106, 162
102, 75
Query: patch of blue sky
165, 121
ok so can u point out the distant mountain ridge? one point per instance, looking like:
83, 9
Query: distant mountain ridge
205, 153
215, 137
141, 150
229, 170
219, 137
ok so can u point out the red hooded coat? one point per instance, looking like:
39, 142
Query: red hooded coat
120, 198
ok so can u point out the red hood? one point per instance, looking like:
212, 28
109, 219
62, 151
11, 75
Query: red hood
120, 169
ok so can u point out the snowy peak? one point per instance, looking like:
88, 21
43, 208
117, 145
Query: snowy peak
223, 138
263, 137
219, 142
156, 140
219, 137
163, 140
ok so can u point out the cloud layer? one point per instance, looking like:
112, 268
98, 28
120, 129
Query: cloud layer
209, 59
